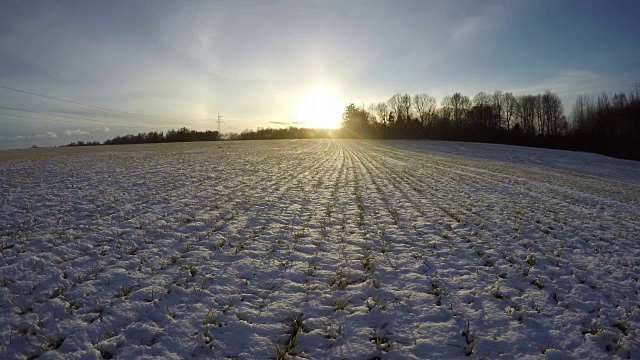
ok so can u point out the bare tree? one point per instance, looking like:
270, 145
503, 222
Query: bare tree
405, 107
481, 99
553, 119
382, 112
482, 110
527, 105
395, 105
446, 110
619, 101
580, 113
425, 107
456, 107
634, 93
498, 108
604, 104
538, 115
510, 108
371, 109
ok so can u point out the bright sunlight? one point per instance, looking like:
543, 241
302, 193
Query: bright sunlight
318, 108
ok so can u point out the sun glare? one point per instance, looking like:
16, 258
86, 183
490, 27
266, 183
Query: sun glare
318, 108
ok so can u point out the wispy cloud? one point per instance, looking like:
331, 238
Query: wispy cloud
565, 82
50, 134
279, 123
478, 25
76, 132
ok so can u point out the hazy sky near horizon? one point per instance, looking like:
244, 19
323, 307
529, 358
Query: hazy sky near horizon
252, 61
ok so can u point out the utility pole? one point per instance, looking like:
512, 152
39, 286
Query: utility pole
219, 117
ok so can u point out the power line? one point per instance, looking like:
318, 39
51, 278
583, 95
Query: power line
65, 121
71, 117
87, 105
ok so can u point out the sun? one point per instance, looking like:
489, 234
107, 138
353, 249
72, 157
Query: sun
318, 108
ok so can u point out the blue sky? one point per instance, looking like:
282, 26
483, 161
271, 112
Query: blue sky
252, 61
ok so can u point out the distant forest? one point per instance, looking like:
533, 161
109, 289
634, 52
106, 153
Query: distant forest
607, 124
180, 135
284, 133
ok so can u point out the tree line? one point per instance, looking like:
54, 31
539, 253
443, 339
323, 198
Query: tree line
180, 135
291, 132
607, 124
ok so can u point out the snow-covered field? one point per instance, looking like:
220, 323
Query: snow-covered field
324, 249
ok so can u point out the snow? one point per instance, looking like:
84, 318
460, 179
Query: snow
320, 248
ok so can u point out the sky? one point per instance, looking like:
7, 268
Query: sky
264, 63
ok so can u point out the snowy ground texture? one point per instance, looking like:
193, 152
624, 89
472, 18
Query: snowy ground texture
318, 249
